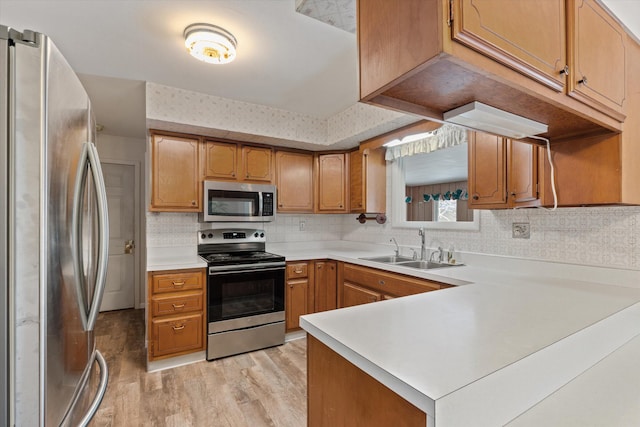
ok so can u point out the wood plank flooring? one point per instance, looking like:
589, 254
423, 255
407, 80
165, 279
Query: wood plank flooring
262, 388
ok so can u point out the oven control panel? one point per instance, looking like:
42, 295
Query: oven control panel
231, 236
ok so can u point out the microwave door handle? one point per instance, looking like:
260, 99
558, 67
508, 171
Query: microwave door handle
103, 234
76, 234
259, 204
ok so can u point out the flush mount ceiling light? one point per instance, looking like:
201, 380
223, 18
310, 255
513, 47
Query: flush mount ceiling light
210, 43
479, 116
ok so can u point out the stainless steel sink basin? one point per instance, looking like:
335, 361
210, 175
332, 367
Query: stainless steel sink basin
389, 259
425, 265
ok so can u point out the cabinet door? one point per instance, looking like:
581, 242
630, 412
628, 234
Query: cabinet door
356, 295
487, 155
598, 70
326, 292
522, 166
528, 36
220, 160
257, 164
296, 302
331, 185
294, 179
175, 174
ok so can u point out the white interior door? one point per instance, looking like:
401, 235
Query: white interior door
120, 287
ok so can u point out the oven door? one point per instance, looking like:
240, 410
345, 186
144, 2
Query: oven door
245, 298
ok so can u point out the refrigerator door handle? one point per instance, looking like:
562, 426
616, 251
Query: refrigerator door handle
89, 160
76, 233
103, 234
104, 379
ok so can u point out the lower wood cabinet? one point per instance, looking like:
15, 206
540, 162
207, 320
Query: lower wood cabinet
311, 287
298, 294
177, 320
362, 285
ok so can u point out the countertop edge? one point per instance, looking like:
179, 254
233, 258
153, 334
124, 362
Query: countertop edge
410, 394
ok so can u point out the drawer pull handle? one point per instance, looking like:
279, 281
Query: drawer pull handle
298, 271
178, 284
178, 328
178, 306
381, 282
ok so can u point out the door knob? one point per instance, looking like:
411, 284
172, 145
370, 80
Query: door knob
128, 246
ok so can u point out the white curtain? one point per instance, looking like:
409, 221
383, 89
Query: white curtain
445, 136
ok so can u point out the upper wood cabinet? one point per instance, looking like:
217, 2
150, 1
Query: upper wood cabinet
427, 57
234, 162
368, 181
502, 173
331, 183
257, 164
598, 51
176, 184
528, 36
221, 160
294, 180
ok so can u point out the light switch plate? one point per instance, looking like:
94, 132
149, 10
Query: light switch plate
520, 230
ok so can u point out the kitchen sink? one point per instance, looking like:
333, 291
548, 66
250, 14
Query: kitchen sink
425, 265
389, 259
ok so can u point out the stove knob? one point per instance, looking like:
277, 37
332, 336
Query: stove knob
255, 235
203, 235
261, 234
210, 235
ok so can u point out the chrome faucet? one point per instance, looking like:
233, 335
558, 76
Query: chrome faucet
423, 249
393, 239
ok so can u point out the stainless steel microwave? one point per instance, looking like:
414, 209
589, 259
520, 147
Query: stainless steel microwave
238, 202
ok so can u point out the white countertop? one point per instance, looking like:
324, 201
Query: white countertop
177, 258
485, 353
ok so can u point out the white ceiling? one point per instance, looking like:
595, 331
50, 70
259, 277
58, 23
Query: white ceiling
285, 59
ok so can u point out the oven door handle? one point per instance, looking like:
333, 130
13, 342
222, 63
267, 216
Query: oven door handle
257, 270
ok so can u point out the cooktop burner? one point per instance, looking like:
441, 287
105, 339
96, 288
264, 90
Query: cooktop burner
241, 257
234, 246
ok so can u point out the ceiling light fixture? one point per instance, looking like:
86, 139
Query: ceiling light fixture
479, 116
210, 43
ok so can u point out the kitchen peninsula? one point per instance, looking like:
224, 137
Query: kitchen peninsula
485, 353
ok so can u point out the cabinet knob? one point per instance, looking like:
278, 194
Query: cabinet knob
475, 197
583, 80
513, 194
565, 70
247, 176
380, 282
233, 174
340, 206
193, 203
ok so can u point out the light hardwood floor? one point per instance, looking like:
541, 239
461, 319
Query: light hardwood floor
262, 388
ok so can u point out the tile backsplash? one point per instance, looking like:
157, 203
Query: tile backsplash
598, 236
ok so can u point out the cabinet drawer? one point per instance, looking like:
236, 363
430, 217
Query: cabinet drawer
387, 283
176, 335
177, 281
184, 302
296, 270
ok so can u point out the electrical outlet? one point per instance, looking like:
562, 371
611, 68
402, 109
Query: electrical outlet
520, 230
303, 225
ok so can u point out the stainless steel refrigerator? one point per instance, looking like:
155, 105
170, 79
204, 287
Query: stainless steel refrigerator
53, 238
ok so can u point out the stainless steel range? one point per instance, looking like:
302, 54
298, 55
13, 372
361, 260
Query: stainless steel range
245, 292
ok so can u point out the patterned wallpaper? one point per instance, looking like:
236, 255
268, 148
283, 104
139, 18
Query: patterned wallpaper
178, 109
